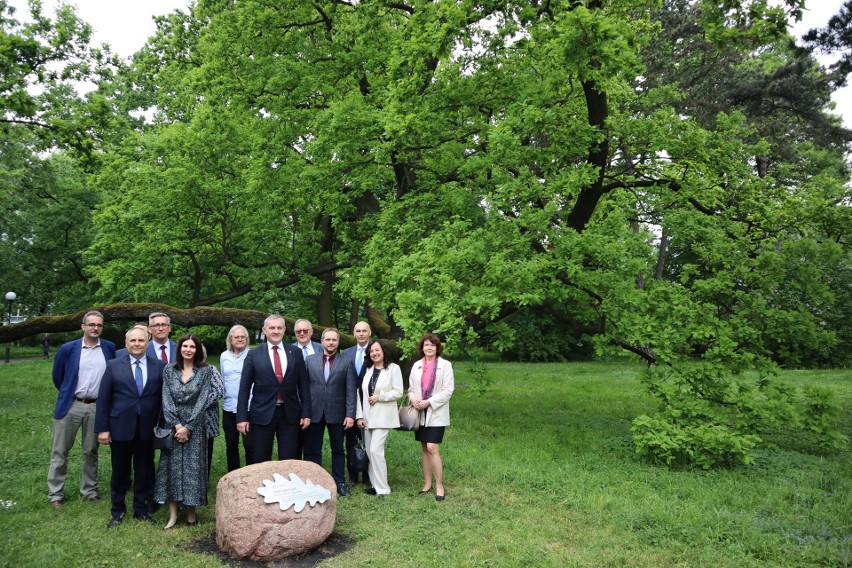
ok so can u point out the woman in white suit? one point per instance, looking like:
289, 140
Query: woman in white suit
431, 384
377, 413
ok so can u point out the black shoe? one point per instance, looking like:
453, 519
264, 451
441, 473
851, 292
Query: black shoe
370, 491
342, 490
145, 517
439, 497
153, 507
114, 521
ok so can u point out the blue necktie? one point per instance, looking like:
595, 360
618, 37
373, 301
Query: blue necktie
359, 360
326, 370
139, 384
305, 352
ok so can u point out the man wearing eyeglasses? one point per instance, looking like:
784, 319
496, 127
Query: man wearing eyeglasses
303, 331
161, 347
77, 371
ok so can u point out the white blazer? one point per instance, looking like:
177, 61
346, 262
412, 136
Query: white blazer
438, 413
383, 414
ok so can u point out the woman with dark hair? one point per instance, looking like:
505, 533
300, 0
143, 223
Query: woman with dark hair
376, 412
182, 475
431, 384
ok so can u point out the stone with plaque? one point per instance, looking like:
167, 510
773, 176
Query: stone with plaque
271, 510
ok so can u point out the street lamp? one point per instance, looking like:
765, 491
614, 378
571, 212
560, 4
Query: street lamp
10, 297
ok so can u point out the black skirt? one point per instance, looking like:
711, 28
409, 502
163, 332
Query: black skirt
430, 434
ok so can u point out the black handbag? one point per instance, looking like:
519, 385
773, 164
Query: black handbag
358, 460
164, 438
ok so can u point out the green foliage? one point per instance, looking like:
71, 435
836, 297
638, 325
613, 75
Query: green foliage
719, 419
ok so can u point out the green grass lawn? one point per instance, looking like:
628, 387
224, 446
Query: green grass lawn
540, 471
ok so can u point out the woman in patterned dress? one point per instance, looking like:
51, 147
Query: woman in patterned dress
182, 475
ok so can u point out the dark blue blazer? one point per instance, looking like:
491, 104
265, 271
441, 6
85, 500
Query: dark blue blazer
352, 352
259, 375
66, 365
120, 406
153, 350
333, 400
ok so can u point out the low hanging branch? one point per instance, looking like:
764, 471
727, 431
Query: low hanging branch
225, 317
136, 312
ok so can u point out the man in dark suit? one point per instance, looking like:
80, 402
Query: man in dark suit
161, 347
129, 404
274, 375
77, 371
360, 361
332, 378
123, 351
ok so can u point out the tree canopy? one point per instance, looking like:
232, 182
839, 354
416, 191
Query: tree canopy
664, 178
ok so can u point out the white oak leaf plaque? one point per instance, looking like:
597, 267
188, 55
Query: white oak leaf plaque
292, 492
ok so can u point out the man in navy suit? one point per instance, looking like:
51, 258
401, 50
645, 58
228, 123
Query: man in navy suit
129, 404
360, 361
281, 395
304, 330
77, 371
332, 378
123, 351
161, 347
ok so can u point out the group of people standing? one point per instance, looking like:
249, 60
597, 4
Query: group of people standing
292, 394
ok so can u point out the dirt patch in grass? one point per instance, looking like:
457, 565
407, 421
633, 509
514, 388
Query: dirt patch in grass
334, 545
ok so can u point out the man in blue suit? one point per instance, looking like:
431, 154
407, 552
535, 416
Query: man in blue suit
360, 361
77, 371
161, 347
129, 404
123, 351
304, 330
281, 395
332, 378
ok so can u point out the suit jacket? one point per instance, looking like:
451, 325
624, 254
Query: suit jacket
120, 406
66, 365
334, 399
317, 348
258, 381
352, 352
438, 413
153, 350
383, 414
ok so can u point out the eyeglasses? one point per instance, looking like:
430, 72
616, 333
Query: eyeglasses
95, 325
238, 337
160, 325
301, 331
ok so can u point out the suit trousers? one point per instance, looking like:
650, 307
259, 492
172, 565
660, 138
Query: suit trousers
287, 435
138, 455
232, 441
313, 446
374, 441
81, 416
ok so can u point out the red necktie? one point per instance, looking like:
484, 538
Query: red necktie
279, 374
163, 355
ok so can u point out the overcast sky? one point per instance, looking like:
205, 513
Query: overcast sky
126, 24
